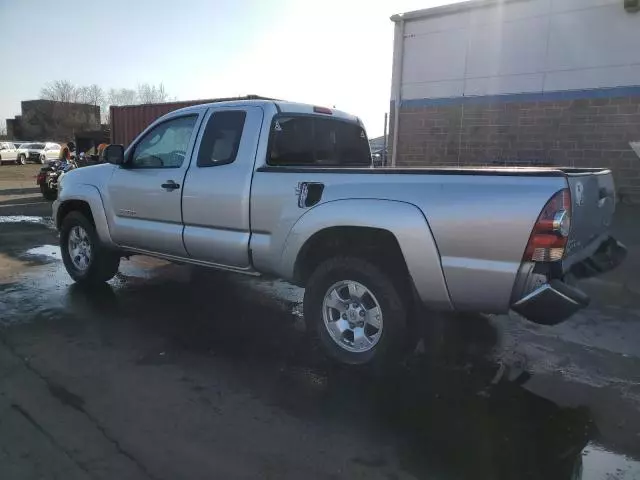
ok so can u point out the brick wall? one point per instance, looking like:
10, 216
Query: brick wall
592, 132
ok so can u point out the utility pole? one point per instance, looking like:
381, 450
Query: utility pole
384, 147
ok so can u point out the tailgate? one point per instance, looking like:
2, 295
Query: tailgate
593, 203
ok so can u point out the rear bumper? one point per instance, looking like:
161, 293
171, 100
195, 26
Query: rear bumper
554, 300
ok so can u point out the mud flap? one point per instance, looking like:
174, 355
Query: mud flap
551, 303
556, 301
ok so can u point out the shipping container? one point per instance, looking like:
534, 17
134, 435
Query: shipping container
128, 121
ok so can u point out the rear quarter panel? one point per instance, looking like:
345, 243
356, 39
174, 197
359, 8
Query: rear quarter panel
480, 223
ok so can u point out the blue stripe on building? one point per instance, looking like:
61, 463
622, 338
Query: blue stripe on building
559, 95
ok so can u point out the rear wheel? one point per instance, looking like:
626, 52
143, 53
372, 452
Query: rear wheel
357, 311
21, 160
86, 260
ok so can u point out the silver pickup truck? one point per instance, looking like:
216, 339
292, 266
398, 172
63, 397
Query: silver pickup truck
286, 189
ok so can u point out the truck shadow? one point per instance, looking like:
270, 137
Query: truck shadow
19, 191
449, 410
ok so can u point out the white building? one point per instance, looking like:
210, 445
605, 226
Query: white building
544, 81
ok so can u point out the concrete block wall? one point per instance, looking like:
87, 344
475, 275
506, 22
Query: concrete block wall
45, 120
521, 130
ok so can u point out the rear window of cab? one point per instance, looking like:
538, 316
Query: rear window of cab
310, 140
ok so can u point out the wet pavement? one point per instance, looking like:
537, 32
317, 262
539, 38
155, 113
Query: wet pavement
170, 372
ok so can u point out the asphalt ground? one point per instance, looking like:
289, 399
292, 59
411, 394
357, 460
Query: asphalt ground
170, 372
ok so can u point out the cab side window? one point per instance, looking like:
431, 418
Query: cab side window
221, 138
165, 146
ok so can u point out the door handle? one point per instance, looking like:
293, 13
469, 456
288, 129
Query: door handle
170, 185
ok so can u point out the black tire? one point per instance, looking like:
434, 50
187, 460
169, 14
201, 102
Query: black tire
103, 264
48, 193
21, 160
394, 339
43, 159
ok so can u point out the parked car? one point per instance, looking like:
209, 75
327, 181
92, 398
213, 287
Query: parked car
285, 189
8, 153
38, 152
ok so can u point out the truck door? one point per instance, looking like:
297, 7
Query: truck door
216, 197
145, 194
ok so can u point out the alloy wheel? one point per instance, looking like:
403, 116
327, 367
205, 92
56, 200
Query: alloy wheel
79, 245
352, 316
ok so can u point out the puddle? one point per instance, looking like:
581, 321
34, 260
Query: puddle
598, 463
26, 219
51, 251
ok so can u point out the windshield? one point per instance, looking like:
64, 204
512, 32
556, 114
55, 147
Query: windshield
36, 146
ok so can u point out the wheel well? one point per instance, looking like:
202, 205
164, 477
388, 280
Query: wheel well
374, 244
73, 206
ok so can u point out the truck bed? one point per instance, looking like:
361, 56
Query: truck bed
490, 171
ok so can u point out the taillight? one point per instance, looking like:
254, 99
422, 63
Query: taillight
551, 232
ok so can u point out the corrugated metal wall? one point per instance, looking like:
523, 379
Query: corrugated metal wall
128, 121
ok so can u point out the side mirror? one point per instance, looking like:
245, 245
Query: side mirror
114, 154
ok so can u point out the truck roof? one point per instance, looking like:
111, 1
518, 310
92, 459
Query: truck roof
281, 105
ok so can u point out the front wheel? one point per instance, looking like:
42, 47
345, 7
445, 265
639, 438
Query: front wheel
357, 311
86, 260
22, 160
43, 159
47, 192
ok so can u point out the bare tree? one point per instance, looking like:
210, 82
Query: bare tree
92, 95
151, 93
60, 91
122, 96
83, 94
65, 91
3, 129
96, 94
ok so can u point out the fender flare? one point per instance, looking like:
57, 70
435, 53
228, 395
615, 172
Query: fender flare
90, 195
404, 221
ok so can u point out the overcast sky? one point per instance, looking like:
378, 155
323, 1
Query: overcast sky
327, 52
